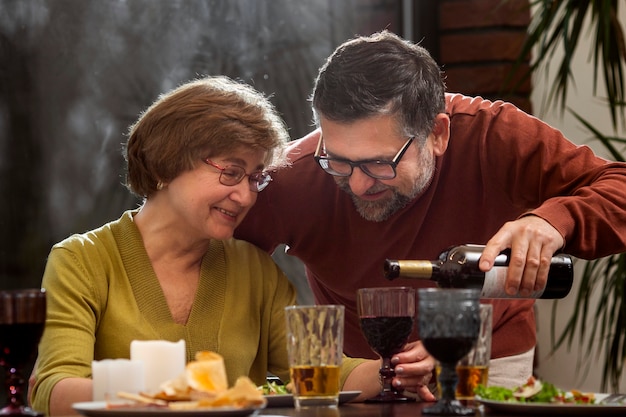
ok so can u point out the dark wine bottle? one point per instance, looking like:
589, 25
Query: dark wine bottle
457, 267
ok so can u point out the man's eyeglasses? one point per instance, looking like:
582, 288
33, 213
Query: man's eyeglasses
375, 168
233, 174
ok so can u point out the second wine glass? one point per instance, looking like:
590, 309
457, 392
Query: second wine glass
387, 315
449, 321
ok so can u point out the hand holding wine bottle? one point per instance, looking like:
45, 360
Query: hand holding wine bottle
533, 241
457, 267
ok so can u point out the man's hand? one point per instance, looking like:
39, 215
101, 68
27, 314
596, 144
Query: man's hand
414, 369
533, 241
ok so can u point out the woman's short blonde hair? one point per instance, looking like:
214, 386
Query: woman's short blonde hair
207, 117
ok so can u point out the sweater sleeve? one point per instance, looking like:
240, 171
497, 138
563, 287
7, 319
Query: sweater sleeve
585, 197
284, 295
542, 173
347, 366
66, 347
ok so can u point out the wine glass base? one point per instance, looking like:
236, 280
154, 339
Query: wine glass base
14, 411
389, 397
449, 408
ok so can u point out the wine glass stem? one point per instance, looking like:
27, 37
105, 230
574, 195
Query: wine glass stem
15, 384
448, 379
386, 375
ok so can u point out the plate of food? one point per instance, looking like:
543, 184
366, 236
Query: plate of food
123, 408
537, 397
202, 390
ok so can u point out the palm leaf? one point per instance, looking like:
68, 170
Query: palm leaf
560, 25
607, 141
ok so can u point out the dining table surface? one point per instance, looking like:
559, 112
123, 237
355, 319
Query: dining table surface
606, 405
408, 409
360, 409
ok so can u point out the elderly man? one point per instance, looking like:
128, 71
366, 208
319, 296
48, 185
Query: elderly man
414, 170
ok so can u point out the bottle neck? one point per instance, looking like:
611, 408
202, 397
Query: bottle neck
414, 268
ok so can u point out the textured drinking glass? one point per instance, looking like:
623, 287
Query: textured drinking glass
315, 348
473, 369
22, 320
386, 316
449, 322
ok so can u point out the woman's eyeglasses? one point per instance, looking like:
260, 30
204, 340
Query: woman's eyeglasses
233, 174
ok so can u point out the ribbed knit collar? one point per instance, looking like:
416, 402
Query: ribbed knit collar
148, 293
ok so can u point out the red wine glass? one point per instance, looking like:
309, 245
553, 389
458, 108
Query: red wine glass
22, 319
449, 323
386, 315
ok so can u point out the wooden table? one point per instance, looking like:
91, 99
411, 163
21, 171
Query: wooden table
411, 409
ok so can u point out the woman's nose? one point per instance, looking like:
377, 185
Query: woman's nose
243, 193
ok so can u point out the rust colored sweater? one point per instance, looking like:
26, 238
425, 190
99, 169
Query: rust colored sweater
500, 164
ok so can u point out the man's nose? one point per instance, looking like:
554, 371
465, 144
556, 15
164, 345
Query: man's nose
360, 182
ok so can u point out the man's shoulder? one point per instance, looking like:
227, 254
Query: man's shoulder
304, 147
459, 104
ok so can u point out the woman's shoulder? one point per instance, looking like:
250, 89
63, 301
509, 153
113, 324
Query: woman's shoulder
100, 237
238, 248
245, 259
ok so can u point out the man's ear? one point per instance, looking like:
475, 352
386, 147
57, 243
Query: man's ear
440, 135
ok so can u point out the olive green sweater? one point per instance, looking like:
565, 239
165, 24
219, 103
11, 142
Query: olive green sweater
103, 293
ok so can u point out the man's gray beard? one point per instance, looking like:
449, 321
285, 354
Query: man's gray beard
381, 210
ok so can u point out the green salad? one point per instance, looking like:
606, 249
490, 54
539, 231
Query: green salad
273, 388
534, 391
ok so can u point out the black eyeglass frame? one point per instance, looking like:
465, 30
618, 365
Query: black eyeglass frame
323, 162
258, 180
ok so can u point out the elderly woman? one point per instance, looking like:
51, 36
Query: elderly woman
170, 269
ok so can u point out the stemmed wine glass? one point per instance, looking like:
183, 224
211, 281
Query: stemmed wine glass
449, 322
22, 320
386, 315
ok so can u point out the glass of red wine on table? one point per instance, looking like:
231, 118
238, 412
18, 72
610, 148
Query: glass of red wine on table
387, 315
449, 323
22, 320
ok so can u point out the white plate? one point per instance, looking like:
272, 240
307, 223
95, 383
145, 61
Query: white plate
556, 409
99, 409
286, 400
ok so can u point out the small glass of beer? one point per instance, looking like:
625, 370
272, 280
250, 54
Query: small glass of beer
473, 369
314, 347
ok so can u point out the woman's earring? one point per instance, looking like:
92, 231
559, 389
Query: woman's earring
160, 185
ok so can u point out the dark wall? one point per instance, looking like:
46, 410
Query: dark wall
74, 74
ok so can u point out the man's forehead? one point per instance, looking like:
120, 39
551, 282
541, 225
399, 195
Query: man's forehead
374, 134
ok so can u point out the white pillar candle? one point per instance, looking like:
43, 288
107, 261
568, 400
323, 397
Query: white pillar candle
110, 376
162, 360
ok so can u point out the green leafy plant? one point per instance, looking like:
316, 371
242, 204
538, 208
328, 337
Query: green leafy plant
559, 25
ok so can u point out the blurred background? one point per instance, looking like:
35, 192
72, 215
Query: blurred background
74, 74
